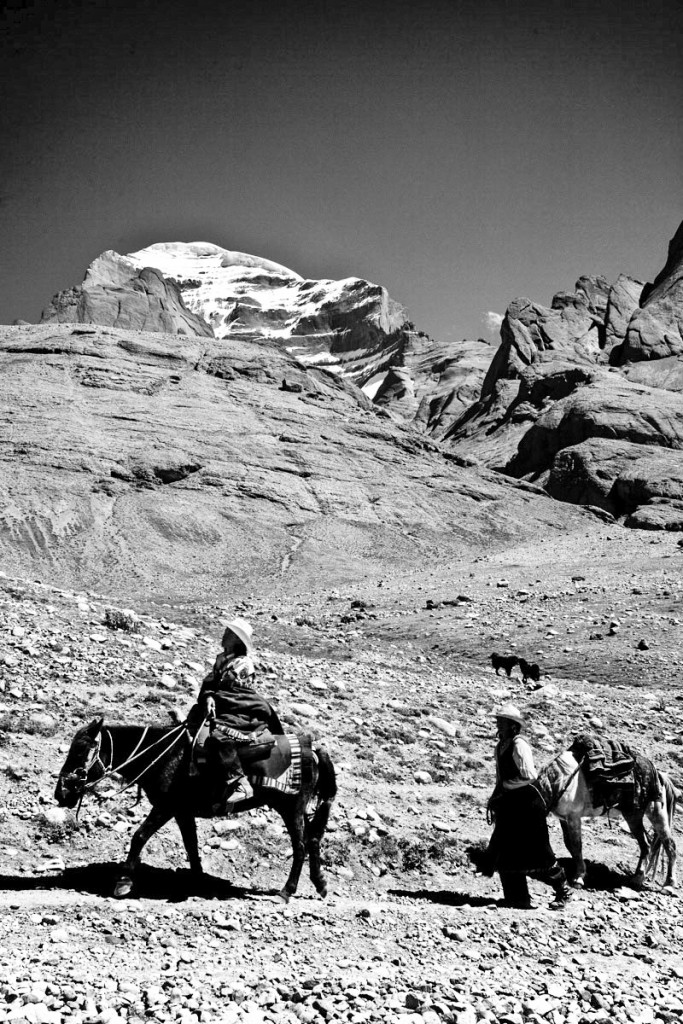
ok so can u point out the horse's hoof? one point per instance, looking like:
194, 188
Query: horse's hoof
124, 887
322, 890
283, 896
578, 883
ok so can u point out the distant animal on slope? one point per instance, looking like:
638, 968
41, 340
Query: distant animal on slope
508, 663
158, 758
563, 786
529, 671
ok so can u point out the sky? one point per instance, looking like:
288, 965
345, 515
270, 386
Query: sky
459, 153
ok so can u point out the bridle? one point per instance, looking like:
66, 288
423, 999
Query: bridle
81, 776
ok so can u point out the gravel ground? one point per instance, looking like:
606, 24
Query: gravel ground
393, 676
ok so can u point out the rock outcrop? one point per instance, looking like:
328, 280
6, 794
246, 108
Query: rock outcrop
578, 393
655, 330
616, 475
431, 384
572, 329
116, 294
599, 407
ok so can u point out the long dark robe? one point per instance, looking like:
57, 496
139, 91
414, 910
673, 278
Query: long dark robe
520, 840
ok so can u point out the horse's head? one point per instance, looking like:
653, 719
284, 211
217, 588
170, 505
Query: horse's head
82, 765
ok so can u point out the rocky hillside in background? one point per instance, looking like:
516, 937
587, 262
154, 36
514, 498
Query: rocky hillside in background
157, 464
351, 326
583, 398
586, 397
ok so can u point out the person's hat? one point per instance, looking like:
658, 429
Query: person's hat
242, 629
511, 712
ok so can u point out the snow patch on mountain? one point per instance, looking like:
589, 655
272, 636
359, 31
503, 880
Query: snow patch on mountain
322, 322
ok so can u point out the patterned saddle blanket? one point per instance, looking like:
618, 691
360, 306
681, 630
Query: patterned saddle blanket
618, 769
272, 762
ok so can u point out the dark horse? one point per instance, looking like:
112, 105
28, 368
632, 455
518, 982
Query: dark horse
159, 760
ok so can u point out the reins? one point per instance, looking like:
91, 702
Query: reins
112, 769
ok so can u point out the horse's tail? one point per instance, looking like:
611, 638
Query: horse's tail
670, 798
327, 777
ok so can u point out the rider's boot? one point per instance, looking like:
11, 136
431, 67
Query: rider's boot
242, 791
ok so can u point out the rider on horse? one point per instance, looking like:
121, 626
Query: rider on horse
239, 715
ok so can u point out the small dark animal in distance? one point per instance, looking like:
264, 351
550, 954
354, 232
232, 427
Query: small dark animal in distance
529, 671
508, 663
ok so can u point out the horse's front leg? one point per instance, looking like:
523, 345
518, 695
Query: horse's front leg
571, 832
187, 825
155, 820
296, 827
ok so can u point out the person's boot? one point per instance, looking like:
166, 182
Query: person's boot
515, 891
563, 892
242, 791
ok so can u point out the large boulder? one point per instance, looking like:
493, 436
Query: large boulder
609, 407
616, 475
658, 514
115, 294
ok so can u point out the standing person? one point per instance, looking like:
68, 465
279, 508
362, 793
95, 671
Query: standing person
520, 844
238, 714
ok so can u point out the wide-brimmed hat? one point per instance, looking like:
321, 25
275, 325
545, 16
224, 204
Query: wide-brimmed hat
242, 629
511, 712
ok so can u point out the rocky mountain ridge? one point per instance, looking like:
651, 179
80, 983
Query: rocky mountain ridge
601, 367
585, 398
350, 326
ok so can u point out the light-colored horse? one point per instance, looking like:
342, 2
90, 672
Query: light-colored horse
567, 795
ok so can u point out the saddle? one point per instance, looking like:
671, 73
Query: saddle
269, 760
605, 759
253, 746
608, 766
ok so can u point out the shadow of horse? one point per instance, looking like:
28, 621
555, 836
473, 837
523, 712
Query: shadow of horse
153, 883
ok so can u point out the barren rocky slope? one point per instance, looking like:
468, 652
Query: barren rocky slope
150, 464
392, 675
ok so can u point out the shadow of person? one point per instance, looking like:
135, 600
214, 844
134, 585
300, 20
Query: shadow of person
151, 883
446, 897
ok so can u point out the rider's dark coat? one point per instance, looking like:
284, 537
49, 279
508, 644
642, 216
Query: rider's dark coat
238, 705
